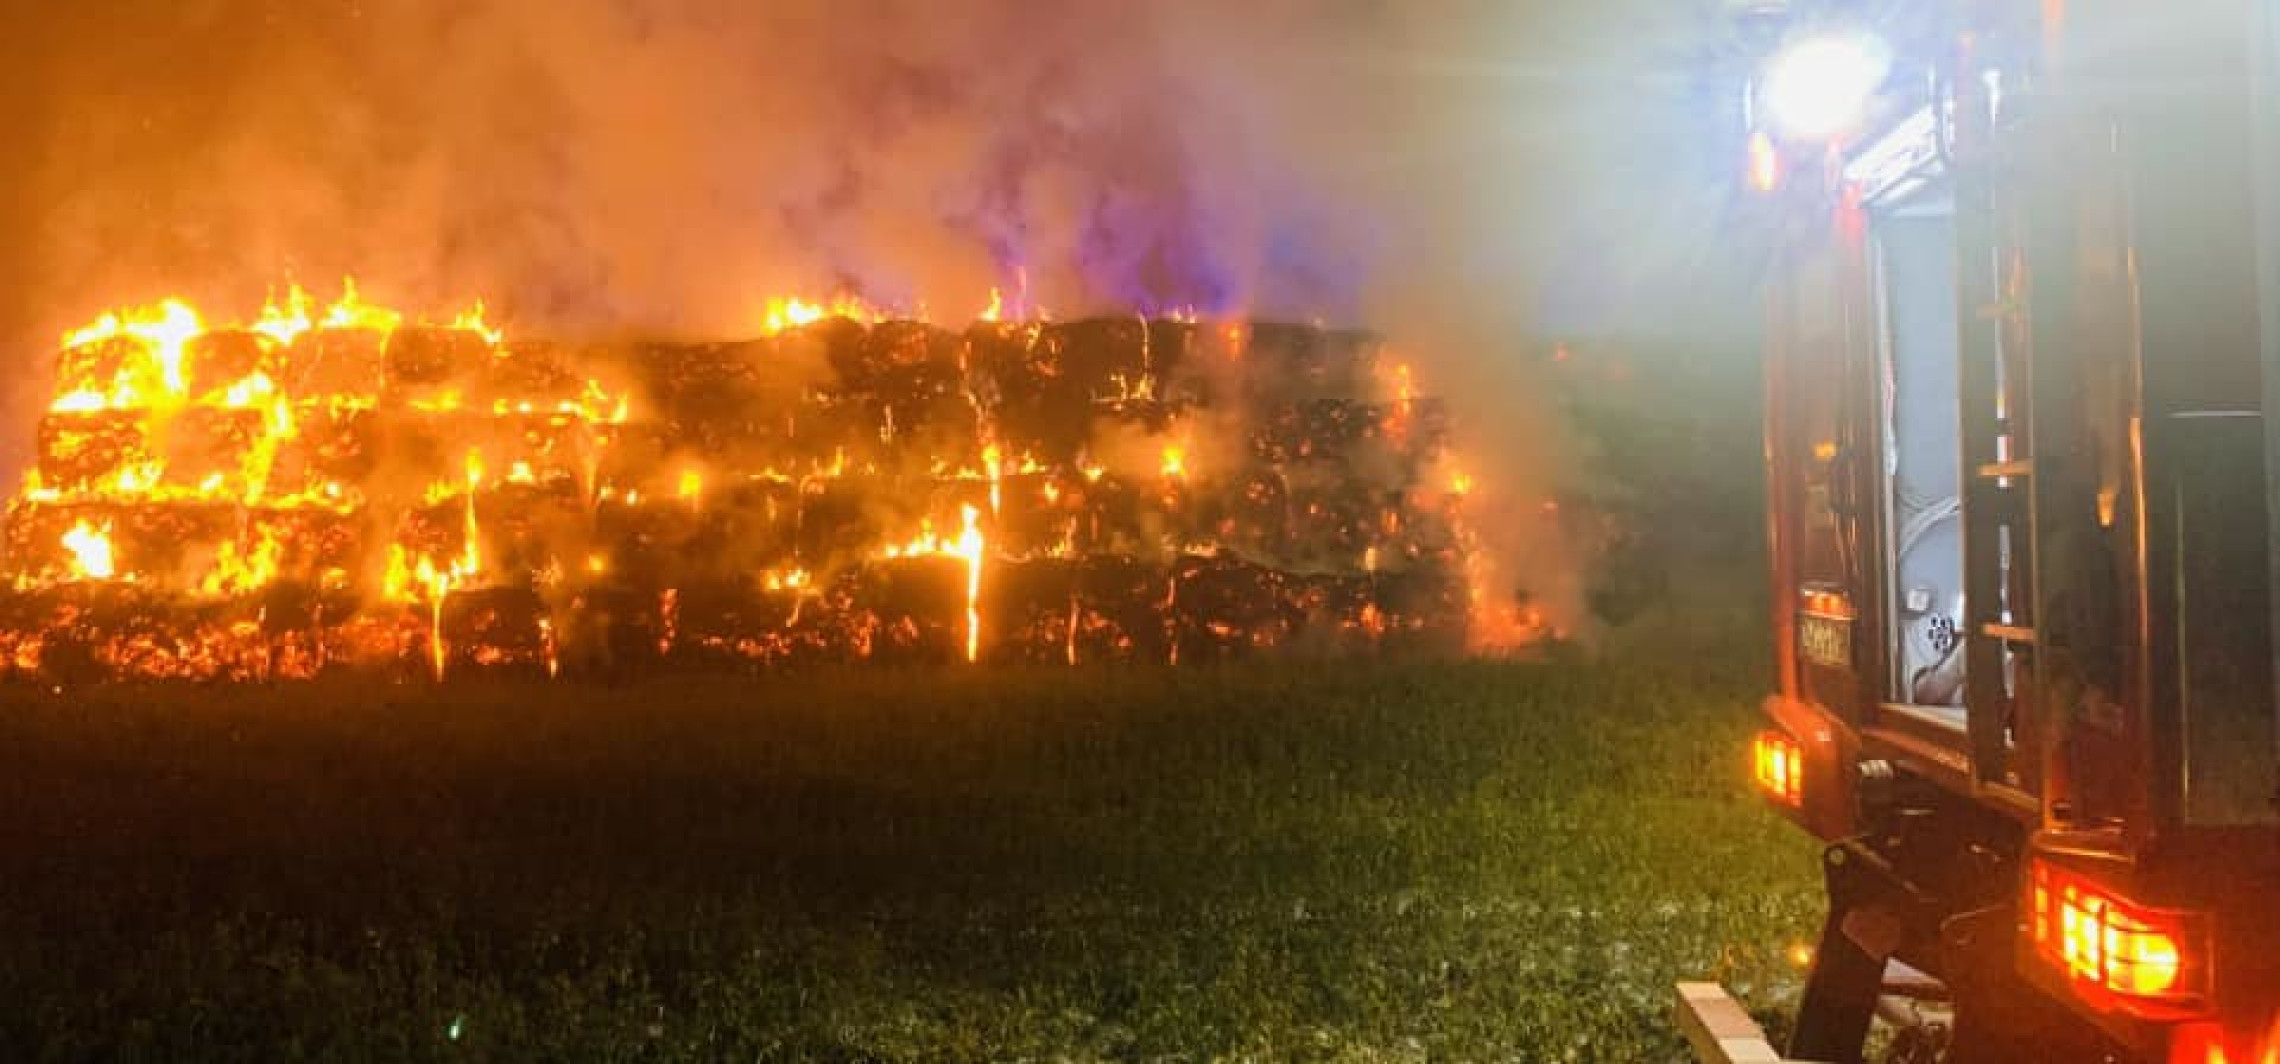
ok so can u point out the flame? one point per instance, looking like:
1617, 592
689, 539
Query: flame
285, 324
993, 465
692, 486
596, 404
277, 427
792, 312
794, 580
439, 653
407, 582
255, 387
919, 546
90, 549
1460, 484
471, 320
137, 478
161, 332
471, 551
243, 571
80, 401
996, 310
1175, 462
547, 641
971, 547
396, 584
352, 312
1404, 402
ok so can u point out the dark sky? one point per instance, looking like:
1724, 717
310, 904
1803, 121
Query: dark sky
1456, 171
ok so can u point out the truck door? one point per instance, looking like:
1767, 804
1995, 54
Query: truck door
1814, 396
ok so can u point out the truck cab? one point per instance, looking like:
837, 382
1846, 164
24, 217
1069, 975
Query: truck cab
2023, 326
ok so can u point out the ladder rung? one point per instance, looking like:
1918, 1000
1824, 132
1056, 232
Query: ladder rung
2016, 467
2009, 633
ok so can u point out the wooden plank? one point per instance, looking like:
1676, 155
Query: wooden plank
1718, 1028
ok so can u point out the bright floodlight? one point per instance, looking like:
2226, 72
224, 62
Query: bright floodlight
1820, 87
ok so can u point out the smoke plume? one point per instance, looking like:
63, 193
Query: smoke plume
663, 166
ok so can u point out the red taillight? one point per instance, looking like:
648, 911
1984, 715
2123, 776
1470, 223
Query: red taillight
1780, 767
2115, 953
2208, 1043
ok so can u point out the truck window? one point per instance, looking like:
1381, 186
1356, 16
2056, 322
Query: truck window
1922, 459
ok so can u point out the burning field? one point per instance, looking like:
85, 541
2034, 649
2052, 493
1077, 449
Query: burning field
349, 487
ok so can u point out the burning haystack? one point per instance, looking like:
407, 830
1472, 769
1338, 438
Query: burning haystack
343, 488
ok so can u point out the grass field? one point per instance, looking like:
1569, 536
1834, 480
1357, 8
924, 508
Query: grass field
1305, 861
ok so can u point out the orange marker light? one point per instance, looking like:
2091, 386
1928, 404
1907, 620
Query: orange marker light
1779, 765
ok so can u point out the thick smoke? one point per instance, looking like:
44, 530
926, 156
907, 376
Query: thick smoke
662, 166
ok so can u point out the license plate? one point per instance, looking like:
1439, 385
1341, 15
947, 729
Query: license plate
1825, 640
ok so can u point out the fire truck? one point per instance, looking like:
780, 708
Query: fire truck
2023, 325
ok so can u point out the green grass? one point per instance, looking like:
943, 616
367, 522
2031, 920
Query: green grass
1304, 861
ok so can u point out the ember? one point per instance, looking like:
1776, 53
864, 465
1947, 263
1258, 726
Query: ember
348, 487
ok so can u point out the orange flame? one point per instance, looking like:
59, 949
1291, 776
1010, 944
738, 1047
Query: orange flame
792, 312
90, 549
352, 312
161, 332
971, 547
285, 324
242, 571
471, 320
993, 465
471, 552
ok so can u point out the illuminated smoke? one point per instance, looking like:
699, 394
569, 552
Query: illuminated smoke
661, 166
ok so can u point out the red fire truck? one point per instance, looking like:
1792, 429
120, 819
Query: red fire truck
2024, 326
